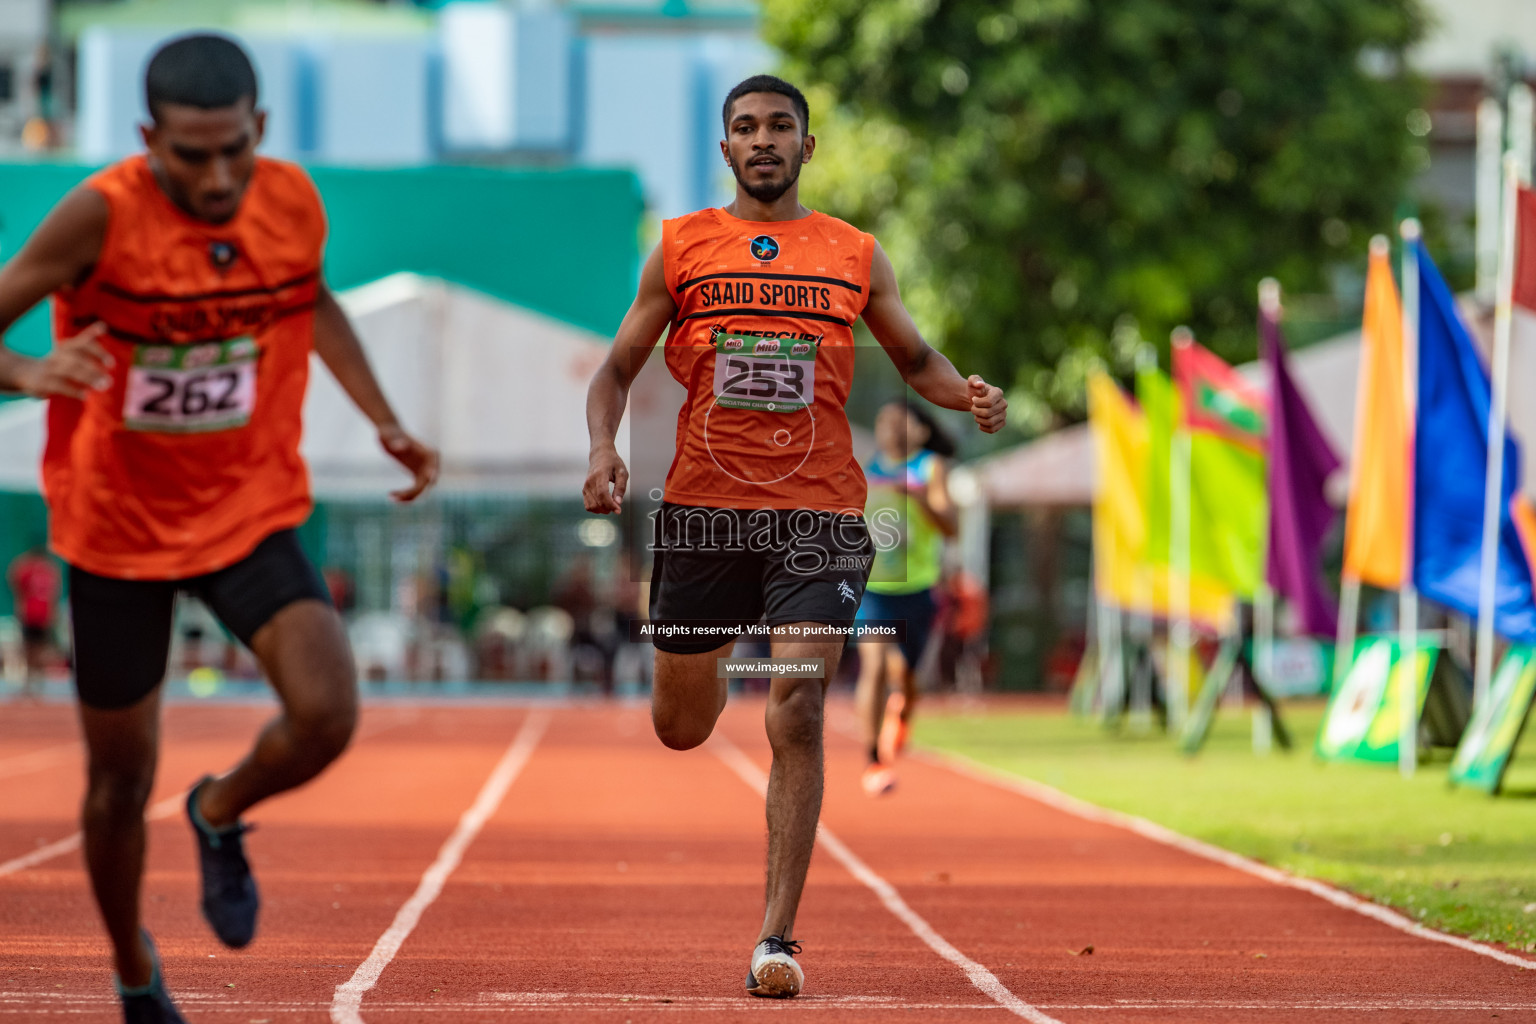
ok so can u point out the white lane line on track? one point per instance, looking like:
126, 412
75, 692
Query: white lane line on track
164, 809
979, 976
23, 764
347, 1004
553, 1002
1055, 798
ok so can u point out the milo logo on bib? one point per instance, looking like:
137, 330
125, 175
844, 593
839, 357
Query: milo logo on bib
764, 374
182, 389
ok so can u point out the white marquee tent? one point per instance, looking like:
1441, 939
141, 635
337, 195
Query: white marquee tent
500, 390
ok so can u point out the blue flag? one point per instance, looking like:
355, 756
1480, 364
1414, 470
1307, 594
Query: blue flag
1450, 469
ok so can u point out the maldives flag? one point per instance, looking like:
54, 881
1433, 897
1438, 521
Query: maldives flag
1218, 399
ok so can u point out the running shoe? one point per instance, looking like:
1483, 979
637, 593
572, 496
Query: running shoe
230, 900
152, 1003
878, 780
774, 973
893, 729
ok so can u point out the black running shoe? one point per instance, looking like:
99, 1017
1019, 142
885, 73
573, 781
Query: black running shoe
774, 973
152, 1003
230, 901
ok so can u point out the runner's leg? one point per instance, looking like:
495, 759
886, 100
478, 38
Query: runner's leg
687, 696
122, 637
304, 653
794, 722
122, 746
869, 694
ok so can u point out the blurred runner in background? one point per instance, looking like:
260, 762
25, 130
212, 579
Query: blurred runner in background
909, 497
35, 588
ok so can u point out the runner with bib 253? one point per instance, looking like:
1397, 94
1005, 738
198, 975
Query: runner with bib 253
762, 518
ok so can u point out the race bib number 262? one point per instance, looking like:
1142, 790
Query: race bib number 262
185, 389
767, 374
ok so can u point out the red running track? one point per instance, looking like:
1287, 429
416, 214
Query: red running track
613, 880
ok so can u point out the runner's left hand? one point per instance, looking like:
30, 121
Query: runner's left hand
988, 405
419, 460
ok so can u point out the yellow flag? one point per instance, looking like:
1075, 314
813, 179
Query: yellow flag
1376, 524
1119, 434
1125, 572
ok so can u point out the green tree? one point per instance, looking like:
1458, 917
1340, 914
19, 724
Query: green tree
1056, 179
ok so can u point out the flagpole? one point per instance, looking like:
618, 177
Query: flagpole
1490, 147
1408, 595
1498, 417
1144, 616
1349, 619
1264, 600
1180, 522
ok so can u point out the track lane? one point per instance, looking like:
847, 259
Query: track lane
334, 861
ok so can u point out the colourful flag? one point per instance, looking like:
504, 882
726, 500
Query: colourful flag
1230, 490
1376, 520
1450, 468
1210, 597
1119, 432
1217, 398
1300, 462
1228, 421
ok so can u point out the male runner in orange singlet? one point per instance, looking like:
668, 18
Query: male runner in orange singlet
762, 516
187, 299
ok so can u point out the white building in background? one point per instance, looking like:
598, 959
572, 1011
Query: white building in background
633, 83
1461, 57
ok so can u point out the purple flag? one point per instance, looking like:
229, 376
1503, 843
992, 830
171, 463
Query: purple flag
1300, 462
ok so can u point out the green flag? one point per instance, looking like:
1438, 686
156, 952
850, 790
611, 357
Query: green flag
1227, 500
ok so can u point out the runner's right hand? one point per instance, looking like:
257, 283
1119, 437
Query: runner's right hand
605, 470
75, 366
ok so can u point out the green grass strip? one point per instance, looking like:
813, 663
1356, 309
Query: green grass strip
1459, 861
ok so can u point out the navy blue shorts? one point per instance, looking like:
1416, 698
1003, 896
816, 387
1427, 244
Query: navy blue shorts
915, 610
122, 628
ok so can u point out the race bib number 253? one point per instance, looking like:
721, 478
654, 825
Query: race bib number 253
767, 374
185, 389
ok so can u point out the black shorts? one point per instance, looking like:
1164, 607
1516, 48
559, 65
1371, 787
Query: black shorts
36, 635
732, 568
122, 628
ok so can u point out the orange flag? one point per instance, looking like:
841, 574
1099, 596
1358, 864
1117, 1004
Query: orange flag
1380, 502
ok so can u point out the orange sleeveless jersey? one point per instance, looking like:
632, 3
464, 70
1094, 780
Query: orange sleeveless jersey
191, 457
763, 341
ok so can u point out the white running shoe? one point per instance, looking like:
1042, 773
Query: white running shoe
878, 780
774, 973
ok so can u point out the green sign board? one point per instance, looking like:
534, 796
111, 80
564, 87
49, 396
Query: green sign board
1490, 739
1362, 722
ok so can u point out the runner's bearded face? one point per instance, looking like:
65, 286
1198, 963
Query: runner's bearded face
204, 159
766, 146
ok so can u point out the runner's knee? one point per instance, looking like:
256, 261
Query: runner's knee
116, 794
795, 722
679, 730
326, 727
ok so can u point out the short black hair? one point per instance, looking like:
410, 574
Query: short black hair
767, 83
205, 71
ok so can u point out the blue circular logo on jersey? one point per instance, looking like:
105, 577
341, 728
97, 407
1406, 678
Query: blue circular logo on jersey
765, 248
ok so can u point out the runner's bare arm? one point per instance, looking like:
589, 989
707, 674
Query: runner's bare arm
61, 252
337, 346
648, 316
928, 372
